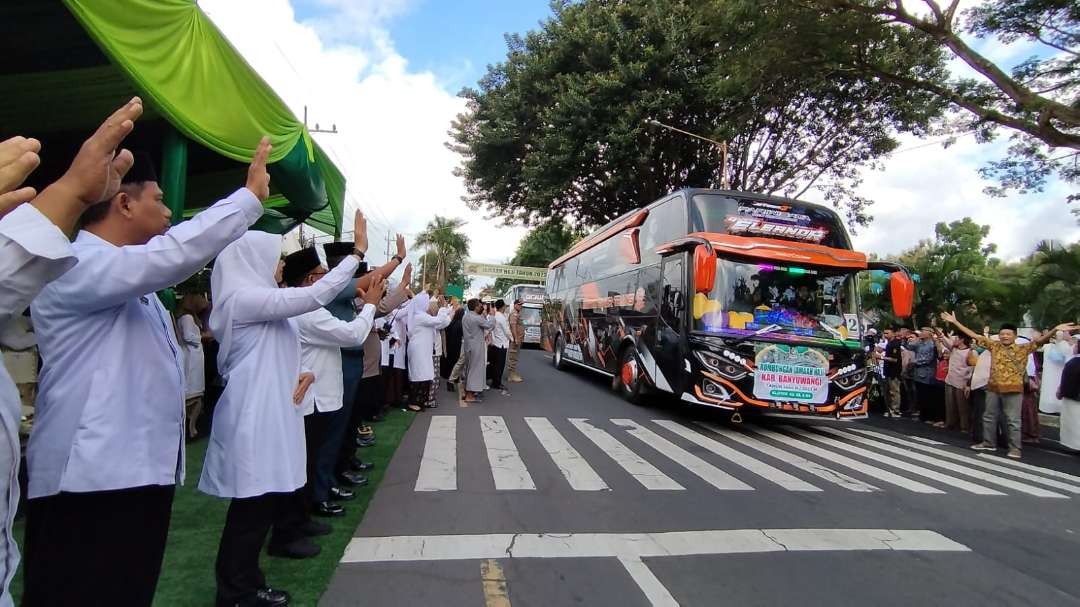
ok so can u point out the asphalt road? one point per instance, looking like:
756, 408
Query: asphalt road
563, 494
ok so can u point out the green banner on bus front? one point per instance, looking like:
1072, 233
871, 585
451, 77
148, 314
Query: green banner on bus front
504, 271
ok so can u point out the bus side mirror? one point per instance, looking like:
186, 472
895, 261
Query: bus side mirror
704, 269
902, 289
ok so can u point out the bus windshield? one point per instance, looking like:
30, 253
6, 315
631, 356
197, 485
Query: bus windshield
749, 297
527, 294
530, 316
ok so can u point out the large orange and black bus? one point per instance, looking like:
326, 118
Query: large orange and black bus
732, 300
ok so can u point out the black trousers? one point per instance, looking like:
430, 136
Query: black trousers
96, 548
320, 429
367, 402
246, 526
496, 363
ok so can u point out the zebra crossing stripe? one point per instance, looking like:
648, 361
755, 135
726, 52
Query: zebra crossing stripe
438, 465
654, 590
708, 473
941, 463
1023, 466
847, 462
758, 467
645, 473
793, 459
971, 461
577, 471
895, 463
507, 469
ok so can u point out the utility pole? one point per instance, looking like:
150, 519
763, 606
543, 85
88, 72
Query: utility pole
388, 238
333, 127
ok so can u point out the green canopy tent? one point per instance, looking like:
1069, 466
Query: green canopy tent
68, 64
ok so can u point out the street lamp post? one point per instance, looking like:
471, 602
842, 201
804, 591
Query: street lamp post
720, 144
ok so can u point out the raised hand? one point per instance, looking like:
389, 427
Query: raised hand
948, 317
306, 379
18, 158
94, 176
258, 179
360, 231
406, 277
1067, 327
375, 294
401, 246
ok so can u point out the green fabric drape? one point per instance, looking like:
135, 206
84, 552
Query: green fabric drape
184, 66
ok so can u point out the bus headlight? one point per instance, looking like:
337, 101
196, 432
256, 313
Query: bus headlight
851, 379
731, 366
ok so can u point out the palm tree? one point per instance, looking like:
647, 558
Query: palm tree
446, 246
1054, 283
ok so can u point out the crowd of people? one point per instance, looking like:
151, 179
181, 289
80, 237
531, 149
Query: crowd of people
991, 387
307, 354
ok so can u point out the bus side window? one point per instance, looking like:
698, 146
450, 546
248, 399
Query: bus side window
672, 294
666, 222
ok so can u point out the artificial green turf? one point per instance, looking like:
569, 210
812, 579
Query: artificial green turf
187, 576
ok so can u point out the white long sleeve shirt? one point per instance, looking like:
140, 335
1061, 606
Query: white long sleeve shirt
33, 252
322, 336
500, 335
110, 408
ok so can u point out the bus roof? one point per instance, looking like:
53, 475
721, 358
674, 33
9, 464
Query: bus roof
637, 217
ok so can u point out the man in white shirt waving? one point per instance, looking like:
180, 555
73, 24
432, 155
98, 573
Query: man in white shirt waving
34, 249
107, 447
322, 336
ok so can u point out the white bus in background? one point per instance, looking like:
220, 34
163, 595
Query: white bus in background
532, 298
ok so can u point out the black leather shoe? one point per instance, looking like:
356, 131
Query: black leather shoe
352, 479
302, 548
266, 597
328, 509
312, 528
360, 466
341, 494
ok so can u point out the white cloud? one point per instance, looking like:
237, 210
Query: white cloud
392, 121
927, 185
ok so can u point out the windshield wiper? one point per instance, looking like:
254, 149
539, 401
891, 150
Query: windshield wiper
838, 335
768, 329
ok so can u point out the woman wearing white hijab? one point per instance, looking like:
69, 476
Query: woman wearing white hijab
256, 454
422, 326
1055, 355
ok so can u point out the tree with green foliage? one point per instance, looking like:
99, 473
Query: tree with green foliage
1036, 101
446, 248
541, 246
566, 125
1054, 281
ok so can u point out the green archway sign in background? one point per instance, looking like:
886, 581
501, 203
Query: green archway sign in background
505, 271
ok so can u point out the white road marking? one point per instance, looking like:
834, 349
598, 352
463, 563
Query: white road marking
925, 440
507, 469
645, 473
895, 463
639, 545
836, 458
577, 471
972, 461
1023, 466
793, 459
651, 586
438, 465
758, 467
706, 471
941, 463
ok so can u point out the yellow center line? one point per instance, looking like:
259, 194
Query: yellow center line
495, 591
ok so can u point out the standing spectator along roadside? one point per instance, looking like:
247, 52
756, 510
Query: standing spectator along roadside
893, 368
962, 361
1005, 390
1069, 393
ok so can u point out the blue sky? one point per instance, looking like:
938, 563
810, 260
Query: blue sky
455, 40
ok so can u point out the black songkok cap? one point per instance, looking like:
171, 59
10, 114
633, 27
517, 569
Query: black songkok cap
143, 169
336, 251
299, 264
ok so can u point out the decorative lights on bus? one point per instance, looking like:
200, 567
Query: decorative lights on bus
850, 376
768, 267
